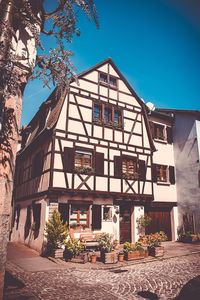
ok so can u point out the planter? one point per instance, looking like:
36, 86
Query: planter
57, 253
109, 258
81, 258
121, 257
132, 255
156, 251
93, 259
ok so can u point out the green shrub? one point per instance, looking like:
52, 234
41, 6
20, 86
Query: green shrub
105, 242
74, 247
55, 231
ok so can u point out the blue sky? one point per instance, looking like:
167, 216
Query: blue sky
154, 43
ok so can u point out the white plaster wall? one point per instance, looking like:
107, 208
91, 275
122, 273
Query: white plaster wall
166, 193
18, 234
187, 166
137, 213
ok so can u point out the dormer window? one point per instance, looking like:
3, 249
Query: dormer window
108, 79
112, 81
103, 77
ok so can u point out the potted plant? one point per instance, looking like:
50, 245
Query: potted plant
73, 248
142, 223
121, 256
133, 251
56, 233
105, 244
153, 242
93, 257
130, 176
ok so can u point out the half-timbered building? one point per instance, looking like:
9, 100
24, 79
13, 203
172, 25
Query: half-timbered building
90, 153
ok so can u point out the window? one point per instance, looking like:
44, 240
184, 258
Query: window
162, 173
129, 168
103, 77
107, 115
83, 159
37, 164
108, 79
79, 215
107, 213
117, 117
97, 114
83, 162
159, 132
112, 81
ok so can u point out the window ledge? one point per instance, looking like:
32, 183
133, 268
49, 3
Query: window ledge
163, 183
160, 141
108, 85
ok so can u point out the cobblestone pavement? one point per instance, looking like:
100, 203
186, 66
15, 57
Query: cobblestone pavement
164, 278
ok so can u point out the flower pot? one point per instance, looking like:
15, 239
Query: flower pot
57, 253
109, 258
156, 251
93, 259
132, 255
121, 257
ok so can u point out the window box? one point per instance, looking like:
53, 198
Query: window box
128, 176
84, 170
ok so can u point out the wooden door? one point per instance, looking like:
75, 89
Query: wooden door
161, 221
125, 223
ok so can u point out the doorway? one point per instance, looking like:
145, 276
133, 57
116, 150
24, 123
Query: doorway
125, 222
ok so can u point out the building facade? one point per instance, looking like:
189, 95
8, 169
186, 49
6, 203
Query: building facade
186, 141
98, 155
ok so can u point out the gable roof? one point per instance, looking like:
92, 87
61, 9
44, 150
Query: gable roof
179, 111
55, 105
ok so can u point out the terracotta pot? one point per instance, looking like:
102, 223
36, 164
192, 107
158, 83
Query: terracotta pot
93, 259
121, 257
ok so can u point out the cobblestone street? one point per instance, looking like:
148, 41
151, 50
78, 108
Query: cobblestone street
164, 278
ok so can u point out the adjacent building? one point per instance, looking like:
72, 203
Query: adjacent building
100, 156
186, 141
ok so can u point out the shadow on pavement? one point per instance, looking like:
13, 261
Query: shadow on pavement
14, 289
148, 295
191, 290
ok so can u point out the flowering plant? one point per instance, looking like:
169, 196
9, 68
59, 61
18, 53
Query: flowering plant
129, 247
153, 240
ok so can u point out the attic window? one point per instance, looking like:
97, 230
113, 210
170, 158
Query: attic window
108, 79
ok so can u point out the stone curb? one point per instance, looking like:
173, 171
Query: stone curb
114, 266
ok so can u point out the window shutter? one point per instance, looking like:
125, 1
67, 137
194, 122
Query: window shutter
171, 175
63, 209
152, 128
142, 170
117, 166
96, 217
154, 173
68, 159
99, 163
169, 135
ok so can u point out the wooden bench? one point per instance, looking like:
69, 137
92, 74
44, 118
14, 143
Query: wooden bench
88, 239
